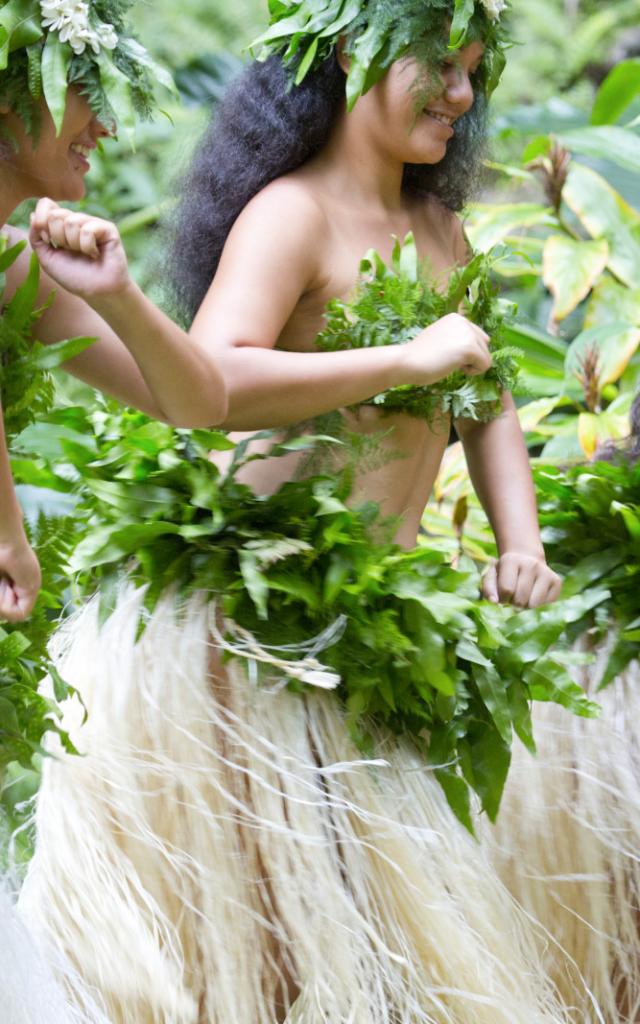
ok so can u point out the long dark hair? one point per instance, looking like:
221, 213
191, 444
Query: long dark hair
263, 129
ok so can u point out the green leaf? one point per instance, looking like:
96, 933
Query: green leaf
619, 89
307, 61
494, 694
490, 759
462, 14
570, 270
605, 143
48, 357
19, 27
55, 66
605, 214
118, 88
490, 224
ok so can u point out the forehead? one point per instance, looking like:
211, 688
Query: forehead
473, 52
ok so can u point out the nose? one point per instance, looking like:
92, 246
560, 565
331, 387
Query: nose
99, 130
458, 90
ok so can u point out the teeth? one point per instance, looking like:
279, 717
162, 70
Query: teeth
82, 150
440, 117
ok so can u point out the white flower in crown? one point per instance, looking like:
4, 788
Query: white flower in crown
494, 8
70, 18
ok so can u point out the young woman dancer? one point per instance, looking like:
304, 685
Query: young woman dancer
49, 128
232, 855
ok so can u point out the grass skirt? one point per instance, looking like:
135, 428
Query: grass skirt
30, 992
223, 853
567, 844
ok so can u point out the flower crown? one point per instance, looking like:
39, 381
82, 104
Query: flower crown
47, 45
379, 32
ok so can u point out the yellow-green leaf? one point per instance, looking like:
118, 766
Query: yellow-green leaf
570, 270
489, 224
605, 214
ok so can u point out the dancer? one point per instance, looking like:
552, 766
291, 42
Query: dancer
235, 856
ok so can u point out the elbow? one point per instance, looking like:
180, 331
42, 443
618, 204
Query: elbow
204, 417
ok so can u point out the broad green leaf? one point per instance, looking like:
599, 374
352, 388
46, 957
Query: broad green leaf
462, 14
494, 694
605, 143
490, 224
629, 516
612, 302
490, 758
605, 214
19, 26
118, 89
55, 65
619, 89
531, 414
542, 359
570, 269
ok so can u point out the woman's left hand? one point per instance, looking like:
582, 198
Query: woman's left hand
522, 580
82, 254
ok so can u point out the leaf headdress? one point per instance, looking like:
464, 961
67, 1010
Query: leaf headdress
379, 32
47, 45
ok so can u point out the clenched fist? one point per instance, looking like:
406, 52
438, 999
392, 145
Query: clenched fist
82, 254
451, 343
19, 579
522, 580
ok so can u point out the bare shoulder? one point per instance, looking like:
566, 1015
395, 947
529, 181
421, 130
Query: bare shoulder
290, 203
281, 227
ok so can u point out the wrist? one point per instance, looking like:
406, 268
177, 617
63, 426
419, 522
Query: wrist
532, 550
116, 301
12, 530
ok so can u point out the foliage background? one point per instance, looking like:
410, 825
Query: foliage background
565, 50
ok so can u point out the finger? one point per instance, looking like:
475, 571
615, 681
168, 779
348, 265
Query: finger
555, 587
525, 583
490, 585
88, 239
9, 609
507, 579
56, 229
540, 591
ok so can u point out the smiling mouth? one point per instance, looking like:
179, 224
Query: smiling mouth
82, 151
441, 118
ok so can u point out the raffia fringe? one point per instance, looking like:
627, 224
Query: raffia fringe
567, 844
222, 854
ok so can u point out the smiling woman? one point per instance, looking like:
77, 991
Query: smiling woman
70, 74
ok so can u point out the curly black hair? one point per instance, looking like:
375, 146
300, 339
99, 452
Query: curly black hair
263, 129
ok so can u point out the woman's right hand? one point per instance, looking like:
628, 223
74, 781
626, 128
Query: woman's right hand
451, 343
20, 577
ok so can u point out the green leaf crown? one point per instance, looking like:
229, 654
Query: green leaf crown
379, 32
48, 45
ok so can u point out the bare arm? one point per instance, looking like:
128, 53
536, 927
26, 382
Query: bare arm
501, 476
19, 569
270, 262
160, 370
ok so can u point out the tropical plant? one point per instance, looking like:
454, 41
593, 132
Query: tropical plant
578, 251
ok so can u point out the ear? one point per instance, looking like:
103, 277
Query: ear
343, 58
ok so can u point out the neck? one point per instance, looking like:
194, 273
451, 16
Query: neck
358, 169
11, 195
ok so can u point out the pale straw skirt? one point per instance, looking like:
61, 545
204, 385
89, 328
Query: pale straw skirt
224, 854
567, 844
